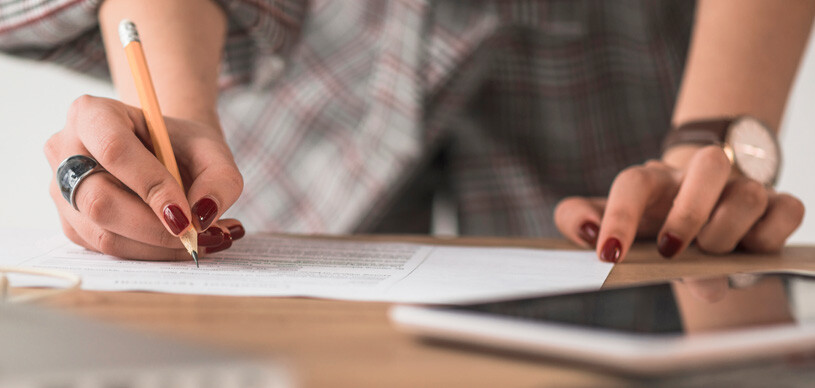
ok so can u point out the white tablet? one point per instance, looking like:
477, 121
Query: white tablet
643, 329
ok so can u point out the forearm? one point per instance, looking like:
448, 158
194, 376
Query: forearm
743, 59
183, 41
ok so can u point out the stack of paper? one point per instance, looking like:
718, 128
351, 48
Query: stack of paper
262, 265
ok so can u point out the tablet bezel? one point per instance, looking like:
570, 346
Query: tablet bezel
642, 354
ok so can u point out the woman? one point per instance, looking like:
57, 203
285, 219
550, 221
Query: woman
350, 116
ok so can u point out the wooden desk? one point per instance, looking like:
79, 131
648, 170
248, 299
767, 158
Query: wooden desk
352, 344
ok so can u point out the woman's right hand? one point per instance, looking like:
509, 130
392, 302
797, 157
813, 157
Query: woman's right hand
137, 209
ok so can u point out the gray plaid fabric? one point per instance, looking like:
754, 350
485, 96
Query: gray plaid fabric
347, 115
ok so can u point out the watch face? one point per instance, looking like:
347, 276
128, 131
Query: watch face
755, 150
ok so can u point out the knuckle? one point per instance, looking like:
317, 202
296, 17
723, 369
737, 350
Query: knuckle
231, 177
690, 218
106, 242
566, 205
713, 246
654, 163
793, 207
763, 243
56, 194
235, 179
82, 104
180, 255
51, 146
753, 195
72, 234
714, 157
635, 176
86, 108
621, 217
228, 178
562, 212
165, 239
155, 191
97, 206
111, 148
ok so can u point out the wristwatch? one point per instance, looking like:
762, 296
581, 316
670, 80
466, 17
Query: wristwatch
749, 144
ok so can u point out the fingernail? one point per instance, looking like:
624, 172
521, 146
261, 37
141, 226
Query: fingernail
175, 219
237, 231
611, 251
669, 245
211, 237
224, 245
205, 211
588, 232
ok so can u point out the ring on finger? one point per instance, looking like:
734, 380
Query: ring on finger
72, 171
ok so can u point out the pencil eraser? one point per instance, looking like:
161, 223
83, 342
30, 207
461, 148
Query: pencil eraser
127, 32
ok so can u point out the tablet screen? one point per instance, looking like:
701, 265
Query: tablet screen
693, 305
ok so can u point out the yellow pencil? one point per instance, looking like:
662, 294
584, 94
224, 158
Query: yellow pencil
152, 115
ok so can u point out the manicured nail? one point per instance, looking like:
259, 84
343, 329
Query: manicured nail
236, 231
669, 245
205, 211
211, 237
611, 251
224, 245
588, 232
175, 219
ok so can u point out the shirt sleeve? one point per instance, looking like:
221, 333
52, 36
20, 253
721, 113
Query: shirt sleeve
66, 32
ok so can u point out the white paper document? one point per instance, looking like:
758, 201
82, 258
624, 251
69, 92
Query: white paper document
262, 265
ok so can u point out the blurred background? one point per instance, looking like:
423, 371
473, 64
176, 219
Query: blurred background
34, 101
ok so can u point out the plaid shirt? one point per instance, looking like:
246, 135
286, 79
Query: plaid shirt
348, 115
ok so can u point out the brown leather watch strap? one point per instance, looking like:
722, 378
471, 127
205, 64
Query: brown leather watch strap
698, 132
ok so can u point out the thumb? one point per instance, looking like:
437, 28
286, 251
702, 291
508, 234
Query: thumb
578, 219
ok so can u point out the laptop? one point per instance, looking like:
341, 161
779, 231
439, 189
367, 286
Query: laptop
49, 349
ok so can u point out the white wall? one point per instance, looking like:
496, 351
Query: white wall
34, 100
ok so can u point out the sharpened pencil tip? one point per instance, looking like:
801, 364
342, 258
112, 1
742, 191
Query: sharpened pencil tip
195, 257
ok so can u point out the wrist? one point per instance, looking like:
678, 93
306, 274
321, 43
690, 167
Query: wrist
749, 144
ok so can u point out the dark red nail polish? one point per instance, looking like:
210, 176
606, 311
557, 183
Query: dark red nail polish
175, 219
225, 245
669, 245
211, 237
236, 231
611, 251
205, 211
588, 232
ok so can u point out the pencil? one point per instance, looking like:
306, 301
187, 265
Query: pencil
152, 116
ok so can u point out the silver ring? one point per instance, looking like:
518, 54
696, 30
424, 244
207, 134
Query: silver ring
72, 171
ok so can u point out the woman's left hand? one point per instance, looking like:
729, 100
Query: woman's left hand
695, 195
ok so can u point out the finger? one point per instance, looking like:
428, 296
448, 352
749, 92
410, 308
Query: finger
74, 222
701, 188
634, 189
223, 246
52, 150
108, 131
102, 200
112, 244
784, 215
578, 219
92, 237
710, 290
72, 235
742, 203
215, 180
235, 228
